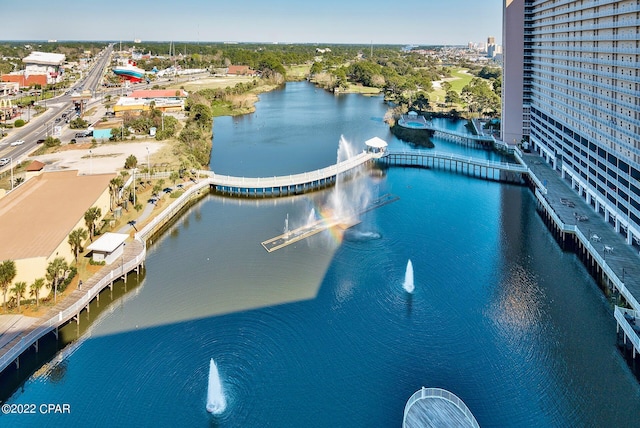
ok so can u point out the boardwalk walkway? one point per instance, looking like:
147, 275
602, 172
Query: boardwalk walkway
572, 215
70, 307
287, 184
610, 249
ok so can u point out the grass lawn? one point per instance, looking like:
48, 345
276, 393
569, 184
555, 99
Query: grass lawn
459, 79
364, 90
210, 83
298, 72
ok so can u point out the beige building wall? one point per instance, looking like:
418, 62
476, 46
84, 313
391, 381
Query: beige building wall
28, 270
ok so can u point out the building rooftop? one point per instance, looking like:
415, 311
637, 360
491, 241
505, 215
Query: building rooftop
45, 58
159, 93
39, 215
108, 242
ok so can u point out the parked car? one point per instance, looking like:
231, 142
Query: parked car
80, 135
17, 143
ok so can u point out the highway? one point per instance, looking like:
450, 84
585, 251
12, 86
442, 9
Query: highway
42, 125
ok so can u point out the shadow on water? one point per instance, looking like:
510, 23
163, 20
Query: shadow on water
46, 361
409, 304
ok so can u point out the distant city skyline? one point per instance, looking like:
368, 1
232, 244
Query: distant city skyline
454, 22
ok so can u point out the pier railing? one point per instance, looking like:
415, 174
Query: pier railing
621, 315
292, 179
586, 242
171, 210
68, 313
504, 166
443, 394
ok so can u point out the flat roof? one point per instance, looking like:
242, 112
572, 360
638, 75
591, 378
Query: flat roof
46, 58
158, 93
37, 216
108, 242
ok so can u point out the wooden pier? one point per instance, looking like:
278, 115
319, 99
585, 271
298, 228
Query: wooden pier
69, 309
318, 226
607, 254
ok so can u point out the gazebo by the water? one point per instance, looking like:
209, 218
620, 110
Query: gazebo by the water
377, 146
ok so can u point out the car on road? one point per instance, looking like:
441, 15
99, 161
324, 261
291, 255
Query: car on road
17, 143
4, 161
40, 141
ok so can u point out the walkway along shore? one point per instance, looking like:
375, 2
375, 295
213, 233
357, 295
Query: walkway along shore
612, 262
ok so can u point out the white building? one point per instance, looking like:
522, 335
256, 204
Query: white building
571, 84
49, 64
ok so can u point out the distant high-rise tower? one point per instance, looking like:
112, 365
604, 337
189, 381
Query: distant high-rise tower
491, 46
571, 86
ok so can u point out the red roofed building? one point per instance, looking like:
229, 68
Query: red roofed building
241, 70
26, 80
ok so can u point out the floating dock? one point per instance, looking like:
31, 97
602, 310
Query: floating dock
318, 226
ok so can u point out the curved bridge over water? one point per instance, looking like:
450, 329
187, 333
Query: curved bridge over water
419, 122
296, 184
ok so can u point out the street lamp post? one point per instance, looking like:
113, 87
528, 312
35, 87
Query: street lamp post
90, 163
148, 163
134, 187
11, 159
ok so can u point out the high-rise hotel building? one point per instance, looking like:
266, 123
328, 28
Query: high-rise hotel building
571, 86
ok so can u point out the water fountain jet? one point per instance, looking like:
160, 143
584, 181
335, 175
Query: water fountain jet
216, 401
408, 278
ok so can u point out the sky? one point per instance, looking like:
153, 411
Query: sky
421, 22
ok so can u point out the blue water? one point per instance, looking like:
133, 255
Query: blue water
322, 333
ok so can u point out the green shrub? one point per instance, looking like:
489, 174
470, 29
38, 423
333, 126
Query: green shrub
52, 142
66, 282
18, 123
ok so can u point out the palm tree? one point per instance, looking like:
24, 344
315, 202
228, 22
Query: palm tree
19, 288
114, 189
55, 271
90, 218
76, 237
174, 177
35, 289
7, 273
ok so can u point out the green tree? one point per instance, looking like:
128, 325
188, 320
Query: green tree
35, 289
19, 288
131, 162
174, 176
7, 274
76, 237
316, 68
452, 97
55, 273
52, 142
201, 115
90, 217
